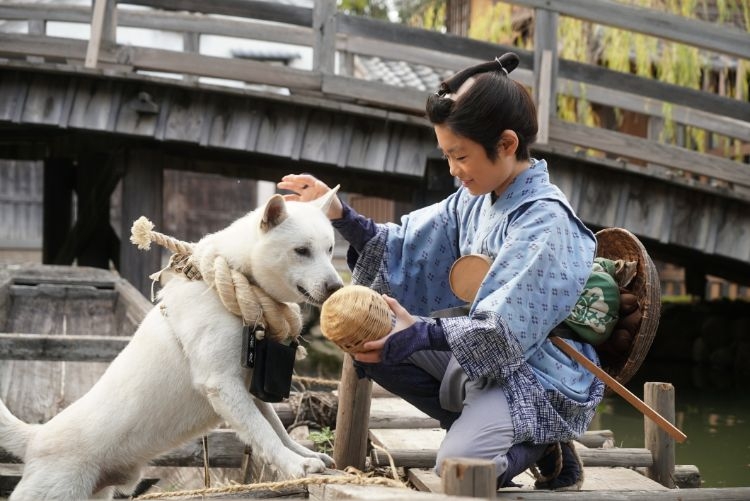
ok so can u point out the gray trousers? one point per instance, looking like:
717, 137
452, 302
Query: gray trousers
483, 429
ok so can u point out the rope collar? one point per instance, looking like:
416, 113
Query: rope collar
241, 297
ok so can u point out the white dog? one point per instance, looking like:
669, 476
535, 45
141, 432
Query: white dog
180, 375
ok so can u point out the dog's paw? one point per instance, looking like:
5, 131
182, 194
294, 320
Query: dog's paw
304, 467
313, 465
328, 460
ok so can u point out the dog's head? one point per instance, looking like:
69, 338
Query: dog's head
291, 255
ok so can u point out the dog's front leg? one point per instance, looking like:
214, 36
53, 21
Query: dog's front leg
232, 401
270, 414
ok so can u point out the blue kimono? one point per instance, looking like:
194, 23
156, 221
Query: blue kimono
542, 255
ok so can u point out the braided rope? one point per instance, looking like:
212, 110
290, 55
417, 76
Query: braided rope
237, 294
273, 486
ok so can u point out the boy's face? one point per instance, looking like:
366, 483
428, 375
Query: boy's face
469, 163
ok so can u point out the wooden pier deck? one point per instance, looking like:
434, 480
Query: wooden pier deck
393, 427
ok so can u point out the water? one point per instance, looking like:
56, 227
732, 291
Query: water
714, 415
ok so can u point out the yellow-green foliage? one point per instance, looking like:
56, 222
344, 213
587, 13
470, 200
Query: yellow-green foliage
629, 52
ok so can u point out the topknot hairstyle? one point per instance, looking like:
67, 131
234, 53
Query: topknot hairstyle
493, 103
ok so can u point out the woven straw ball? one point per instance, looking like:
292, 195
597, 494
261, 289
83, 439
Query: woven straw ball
353, 315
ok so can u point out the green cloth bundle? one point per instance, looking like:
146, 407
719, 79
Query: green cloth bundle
596, 312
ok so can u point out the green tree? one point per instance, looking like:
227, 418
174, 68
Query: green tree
377, 9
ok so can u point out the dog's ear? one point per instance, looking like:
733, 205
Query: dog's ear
274, 213
323, 202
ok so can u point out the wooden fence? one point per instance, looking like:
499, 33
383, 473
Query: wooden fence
334, 36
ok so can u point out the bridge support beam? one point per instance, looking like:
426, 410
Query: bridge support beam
57, 212
142, 195
89, 239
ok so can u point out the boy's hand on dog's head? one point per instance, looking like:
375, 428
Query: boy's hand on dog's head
307, 188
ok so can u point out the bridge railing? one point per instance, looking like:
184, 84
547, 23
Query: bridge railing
335, 39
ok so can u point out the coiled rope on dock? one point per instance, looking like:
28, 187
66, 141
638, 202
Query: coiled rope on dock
237, 293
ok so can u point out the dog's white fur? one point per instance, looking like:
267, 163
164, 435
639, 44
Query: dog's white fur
180, 375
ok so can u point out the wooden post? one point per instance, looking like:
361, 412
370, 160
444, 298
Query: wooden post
37, 27
103, 29
191, 43
545, 39
324, 27
352, 418
57, 211
469, 477
142, 187
660, 396
545, 97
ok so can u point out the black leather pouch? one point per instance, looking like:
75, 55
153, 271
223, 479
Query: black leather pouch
272, 374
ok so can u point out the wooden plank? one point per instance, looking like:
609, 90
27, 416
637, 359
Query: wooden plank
13, 88
277, 131
354, 44
94, 103
469, 477
599, 479
414, 146
417, 448
324, 29
45, 99
191, 42
366, 493
76, 348
323, 137
545, 95
733, 232
167, 21
706, 35
642, 209
374, 92
103, 26
425, 479
368, 145
397, 413
635, 147
212, 66
721, 124
186, 116
586, 74
259, 9
232, 121
400, 439
660, 397
351, 418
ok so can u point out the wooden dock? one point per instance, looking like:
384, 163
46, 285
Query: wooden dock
50, 316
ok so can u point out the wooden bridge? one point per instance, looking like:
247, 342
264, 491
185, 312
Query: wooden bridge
98, 112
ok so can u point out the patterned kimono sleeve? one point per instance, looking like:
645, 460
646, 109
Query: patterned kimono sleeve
483, 345
411, 261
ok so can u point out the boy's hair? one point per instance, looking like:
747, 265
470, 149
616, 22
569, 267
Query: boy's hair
491, 105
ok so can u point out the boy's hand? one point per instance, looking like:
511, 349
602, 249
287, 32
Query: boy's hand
373, 350
307, 188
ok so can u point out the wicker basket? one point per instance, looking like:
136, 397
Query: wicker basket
354, 315
618, 243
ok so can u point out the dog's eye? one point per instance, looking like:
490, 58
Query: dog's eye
330, 249
302, 251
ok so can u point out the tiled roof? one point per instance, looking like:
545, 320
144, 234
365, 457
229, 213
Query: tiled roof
399, 73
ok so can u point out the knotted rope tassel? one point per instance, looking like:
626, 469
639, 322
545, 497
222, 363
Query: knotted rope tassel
237, 294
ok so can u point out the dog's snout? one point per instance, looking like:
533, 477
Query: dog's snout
333, 287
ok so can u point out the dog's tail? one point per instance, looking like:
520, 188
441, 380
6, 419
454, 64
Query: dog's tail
14, 433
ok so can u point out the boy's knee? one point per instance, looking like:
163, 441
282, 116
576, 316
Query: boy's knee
452, 449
